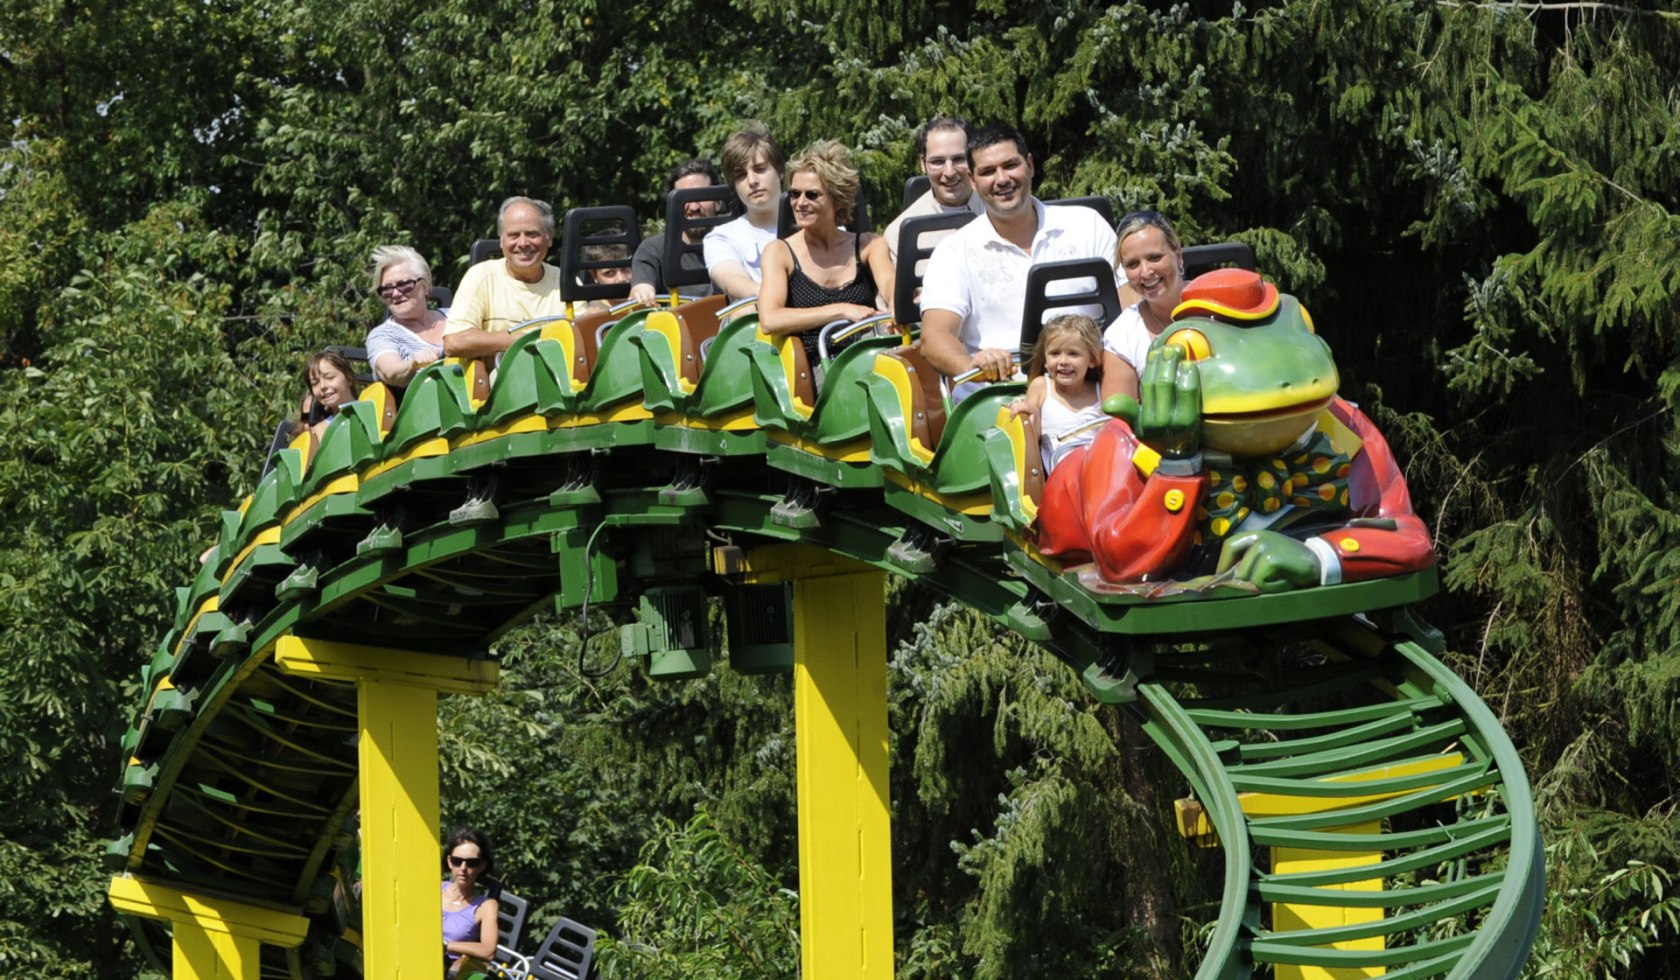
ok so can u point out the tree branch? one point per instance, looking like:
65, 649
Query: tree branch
1562, 6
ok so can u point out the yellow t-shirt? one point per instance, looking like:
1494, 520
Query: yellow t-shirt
492, 300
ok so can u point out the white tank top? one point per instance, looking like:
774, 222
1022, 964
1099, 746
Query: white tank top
1062, 430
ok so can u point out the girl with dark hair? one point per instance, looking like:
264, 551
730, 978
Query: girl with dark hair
332, 385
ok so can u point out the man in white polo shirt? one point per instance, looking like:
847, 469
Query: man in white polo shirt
975, 287
498, 294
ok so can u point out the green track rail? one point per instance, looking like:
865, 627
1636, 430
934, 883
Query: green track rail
598, 467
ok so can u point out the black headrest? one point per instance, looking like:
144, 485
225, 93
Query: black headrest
612, 224
677, 224
914, 188
911, 253
1101, 205
1039, 301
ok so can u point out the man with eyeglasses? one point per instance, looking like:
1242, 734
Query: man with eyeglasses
498, 294
943, 149
975, 288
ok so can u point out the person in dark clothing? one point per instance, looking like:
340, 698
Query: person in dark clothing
647, 267
822, 273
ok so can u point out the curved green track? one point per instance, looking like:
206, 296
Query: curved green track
1315, 720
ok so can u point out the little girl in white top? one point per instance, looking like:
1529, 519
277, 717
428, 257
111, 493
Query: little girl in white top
1065, 391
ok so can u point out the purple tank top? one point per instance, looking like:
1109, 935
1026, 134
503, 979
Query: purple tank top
461, 924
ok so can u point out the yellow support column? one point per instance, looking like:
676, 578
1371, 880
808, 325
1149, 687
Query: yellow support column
1291, 918
840, 715
396, 698
1295, 917
212, 938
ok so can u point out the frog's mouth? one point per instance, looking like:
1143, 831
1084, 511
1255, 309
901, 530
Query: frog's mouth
1309, 407
1260, 433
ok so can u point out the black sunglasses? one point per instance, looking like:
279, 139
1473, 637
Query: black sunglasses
393, 288
460, 862
796, 194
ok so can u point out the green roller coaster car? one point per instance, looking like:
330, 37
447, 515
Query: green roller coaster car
609, 456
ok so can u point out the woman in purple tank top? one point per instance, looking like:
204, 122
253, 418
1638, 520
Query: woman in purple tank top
822, 273
469, 916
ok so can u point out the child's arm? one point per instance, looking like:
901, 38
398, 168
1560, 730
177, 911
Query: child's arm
1033, 400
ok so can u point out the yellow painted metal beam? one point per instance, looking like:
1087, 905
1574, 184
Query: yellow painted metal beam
1193, 823
197, 954
402, 925
213, 937
1291, 918
775, 563
327, 660
396, 707
845, 828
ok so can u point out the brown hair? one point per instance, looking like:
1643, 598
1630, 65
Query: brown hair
601, 253
338, 361
748, 143
470, 835
1079, 326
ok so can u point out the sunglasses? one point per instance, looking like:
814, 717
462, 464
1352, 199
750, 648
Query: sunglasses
796, 194
465, 862
393, 288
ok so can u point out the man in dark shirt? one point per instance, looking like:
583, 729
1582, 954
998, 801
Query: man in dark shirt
647, 274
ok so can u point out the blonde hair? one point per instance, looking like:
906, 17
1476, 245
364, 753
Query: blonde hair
1073, 324
832, 163
1137, 221
386, 256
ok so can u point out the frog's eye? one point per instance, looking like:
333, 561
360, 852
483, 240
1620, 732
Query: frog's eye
1192, 342
1307, 319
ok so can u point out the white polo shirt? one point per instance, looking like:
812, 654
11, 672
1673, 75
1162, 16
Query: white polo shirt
982, 278
1128, 338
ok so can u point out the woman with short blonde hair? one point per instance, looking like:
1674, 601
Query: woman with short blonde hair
411, 336
822, 273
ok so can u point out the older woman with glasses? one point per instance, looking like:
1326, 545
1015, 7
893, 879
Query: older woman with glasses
470, 930
412, 335
821, 273
1153, 262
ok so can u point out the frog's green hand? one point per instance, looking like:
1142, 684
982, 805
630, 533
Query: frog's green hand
1271, 561
1122, 407
1169, 416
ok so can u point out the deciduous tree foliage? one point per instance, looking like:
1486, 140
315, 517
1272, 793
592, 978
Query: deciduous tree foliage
1477, 200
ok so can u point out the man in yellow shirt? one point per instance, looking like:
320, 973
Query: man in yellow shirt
499, 294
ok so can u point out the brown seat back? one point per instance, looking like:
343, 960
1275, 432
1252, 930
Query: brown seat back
697, 322
927, 416
585, 349
1032, 476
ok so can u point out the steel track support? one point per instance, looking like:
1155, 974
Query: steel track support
397, 748
840, 714
212, 938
